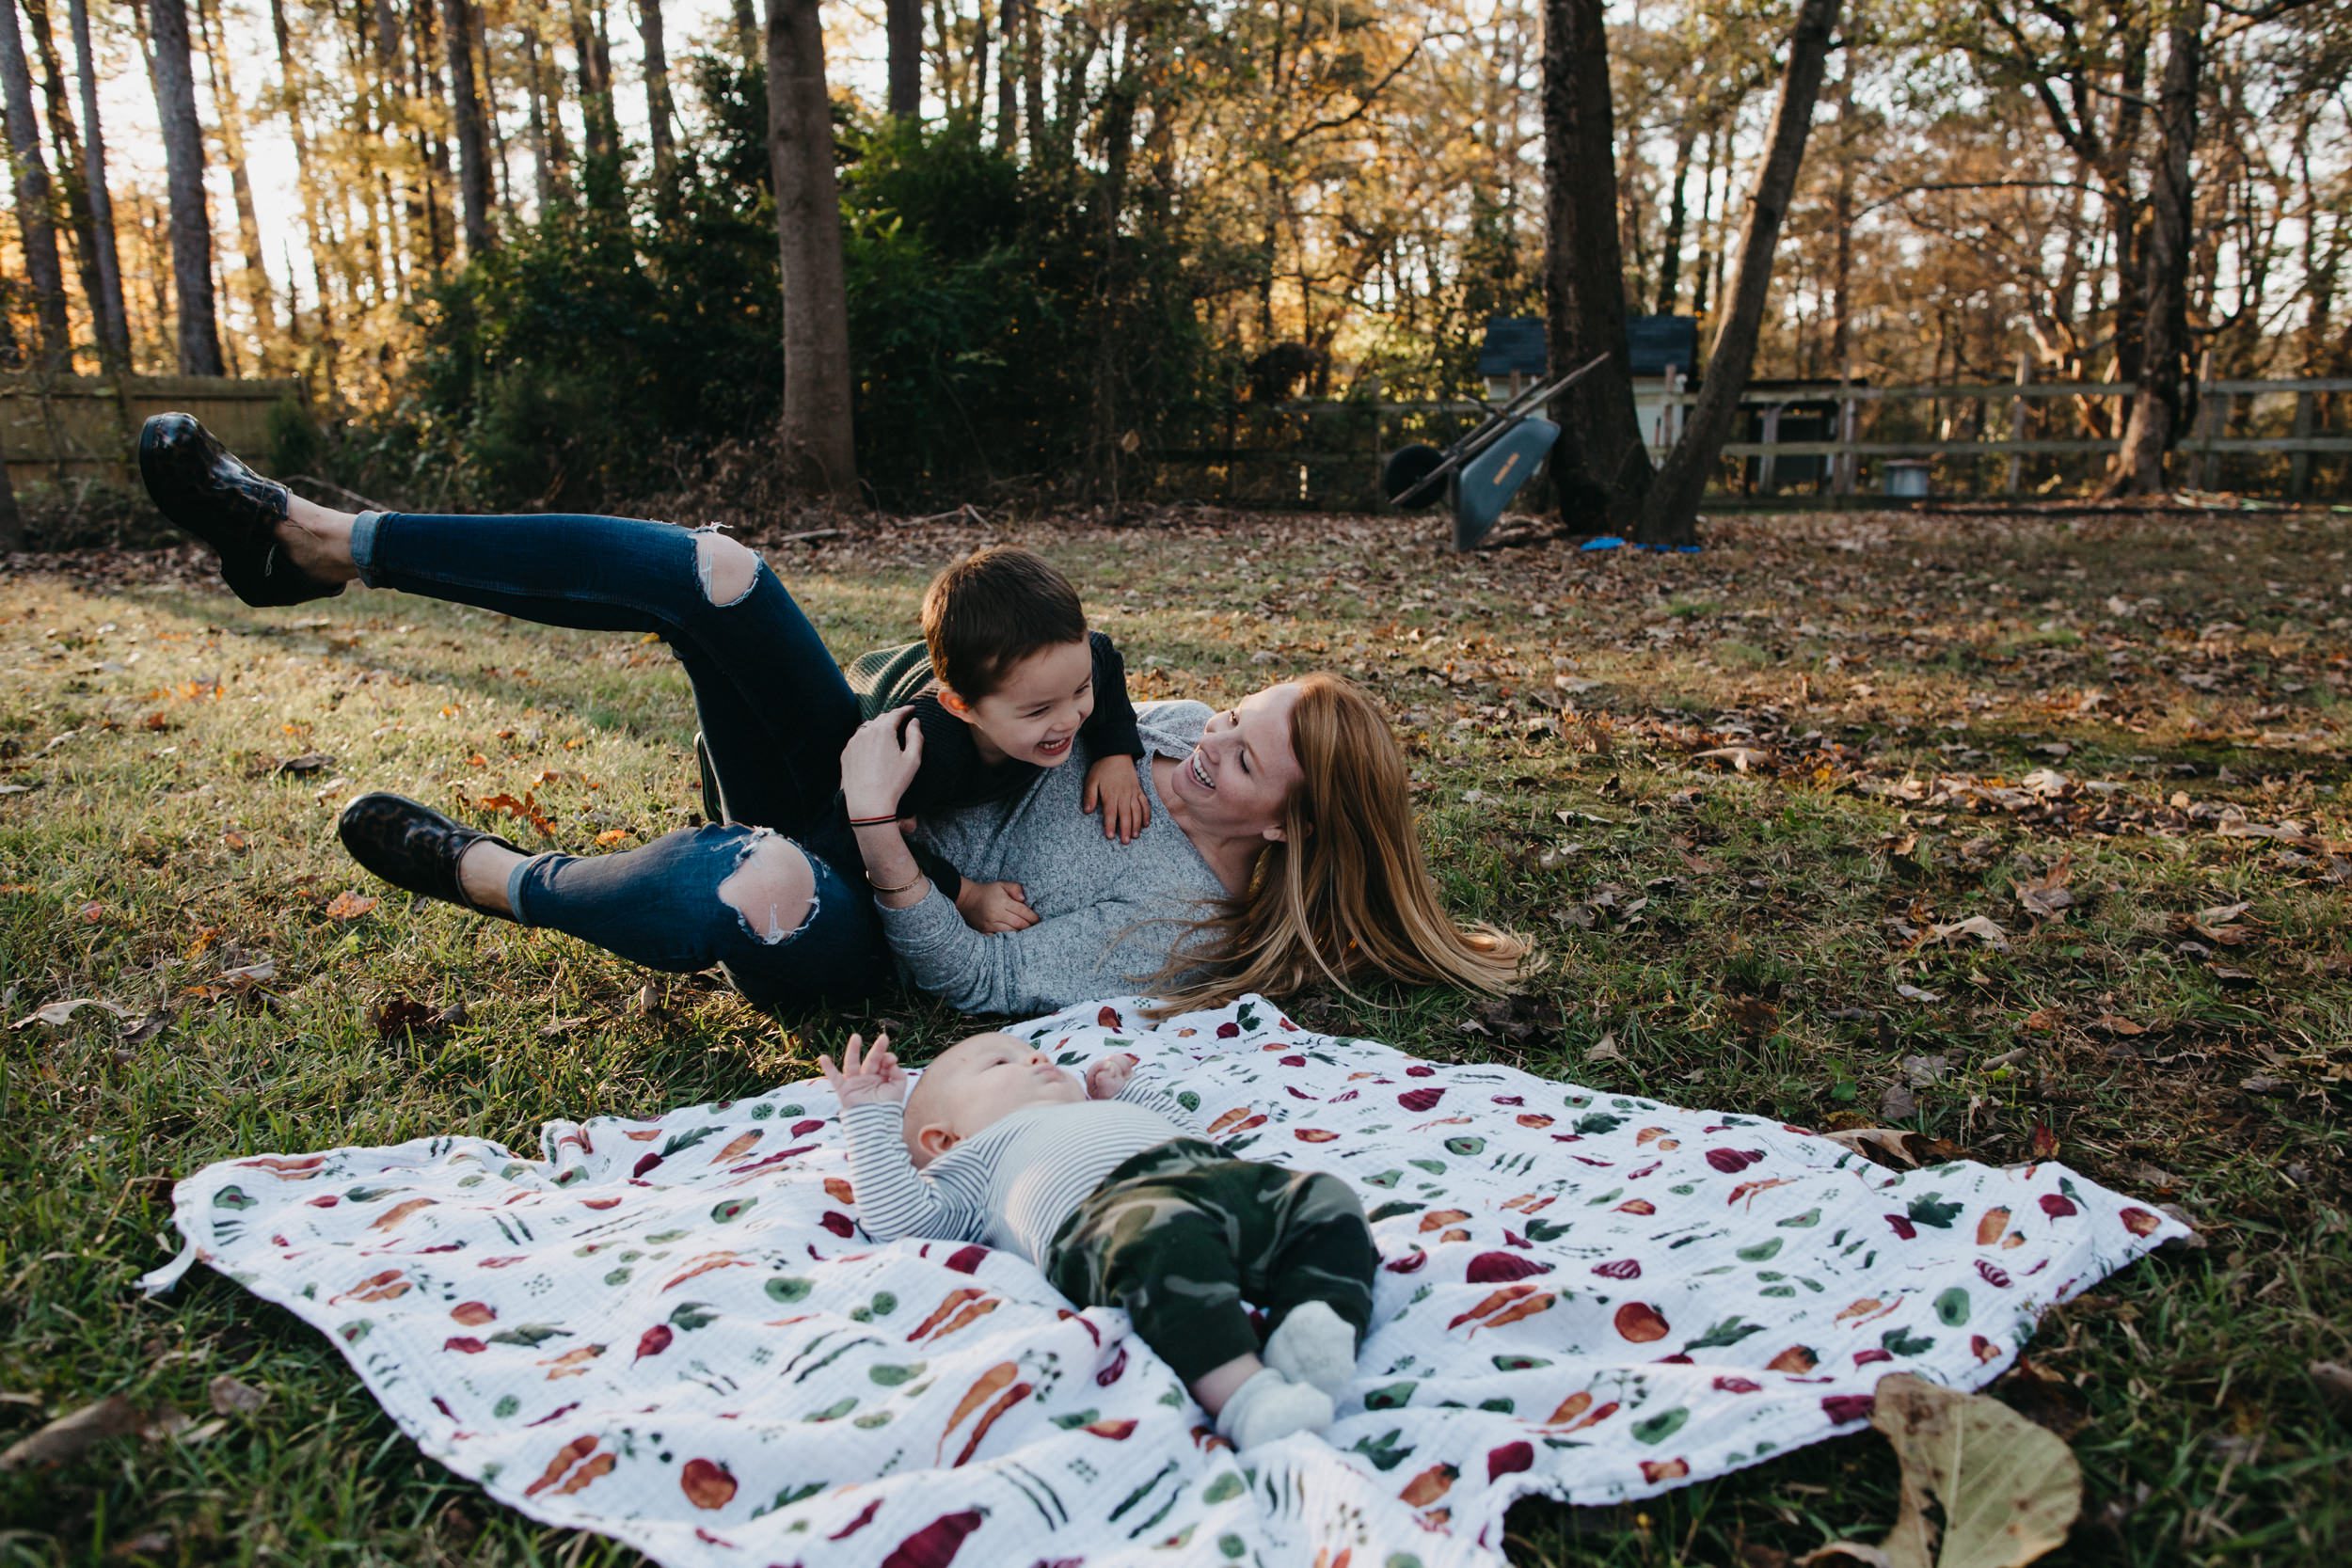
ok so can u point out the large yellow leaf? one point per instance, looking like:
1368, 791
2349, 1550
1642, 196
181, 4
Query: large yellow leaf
2005, 1490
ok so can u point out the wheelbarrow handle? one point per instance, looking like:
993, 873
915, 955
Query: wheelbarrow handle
1491, 430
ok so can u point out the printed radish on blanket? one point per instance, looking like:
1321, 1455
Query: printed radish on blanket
706, 1484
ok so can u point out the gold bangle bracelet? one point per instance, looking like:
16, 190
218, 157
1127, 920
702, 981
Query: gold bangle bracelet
881, 892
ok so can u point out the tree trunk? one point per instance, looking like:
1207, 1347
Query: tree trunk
657, 111
1600, 469
1841, 222
1106, 421
1704, 271
819, 455
459, 21
1671, 513
114, 329
230, 114
1033, 77
68, 147
747, 33
2160, 409
550, 152
1009, 53
1670, 253
183, 156
902, 21
596, 139
36, 219
425, 64
11, 522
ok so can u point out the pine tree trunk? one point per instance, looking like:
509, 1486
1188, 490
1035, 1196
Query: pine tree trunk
11, 521
902, 21
458, 21
1600, 469
819, 455
70, 183
747, 33
1670, 516
183, 156
114, 329
1841, 222
1010, 53
1033, 77
551, 155
1670, 253
426, 68
657, 111
2161, 408
36, 217
1704, 270
1106, 421
231, 130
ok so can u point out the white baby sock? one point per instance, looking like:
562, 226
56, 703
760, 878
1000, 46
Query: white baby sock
1270, 1406
1315, 1345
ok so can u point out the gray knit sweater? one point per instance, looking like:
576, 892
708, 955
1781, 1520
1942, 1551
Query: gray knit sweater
1111, 913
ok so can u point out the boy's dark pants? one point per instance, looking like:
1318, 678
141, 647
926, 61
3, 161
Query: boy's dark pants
1181, 1234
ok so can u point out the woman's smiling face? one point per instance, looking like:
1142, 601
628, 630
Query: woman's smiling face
1242, 774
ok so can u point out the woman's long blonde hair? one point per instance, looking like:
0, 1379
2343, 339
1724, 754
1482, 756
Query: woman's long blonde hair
1346, 893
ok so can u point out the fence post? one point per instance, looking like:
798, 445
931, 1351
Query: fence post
2017, 424
1843, 464
1771, 438
2299, 462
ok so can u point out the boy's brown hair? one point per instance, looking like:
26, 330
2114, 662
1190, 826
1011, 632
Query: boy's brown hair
991, 611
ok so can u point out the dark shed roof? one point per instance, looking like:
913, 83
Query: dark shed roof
1515, 345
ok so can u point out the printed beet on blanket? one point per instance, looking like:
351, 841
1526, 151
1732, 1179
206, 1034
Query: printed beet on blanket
672, 1331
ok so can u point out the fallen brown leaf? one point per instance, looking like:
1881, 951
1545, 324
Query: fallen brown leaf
348, 905
233, 1396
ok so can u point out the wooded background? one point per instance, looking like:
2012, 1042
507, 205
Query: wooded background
542, 253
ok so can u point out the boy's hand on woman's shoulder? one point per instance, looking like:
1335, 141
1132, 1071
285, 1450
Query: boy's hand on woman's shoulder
873, 1078
1106, 1077
1116, 785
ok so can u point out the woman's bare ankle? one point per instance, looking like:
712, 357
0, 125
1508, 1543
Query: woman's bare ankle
482, 874
317, 540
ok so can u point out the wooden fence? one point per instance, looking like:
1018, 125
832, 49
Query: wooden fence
67, 428
2265, 437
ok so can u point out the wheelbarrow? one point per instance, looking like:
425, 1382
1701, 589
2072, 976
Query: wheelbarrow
1479, 473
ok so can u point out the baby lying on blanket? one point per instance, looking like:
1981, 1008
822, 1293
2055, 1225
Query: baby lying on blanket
1103, 1187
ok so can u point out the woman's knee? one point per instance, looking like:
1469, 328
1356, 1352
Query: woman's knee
726, 569
772, 887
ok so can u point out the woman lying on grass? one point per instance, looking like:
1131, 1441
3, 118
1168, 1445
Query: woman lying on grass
1277, 848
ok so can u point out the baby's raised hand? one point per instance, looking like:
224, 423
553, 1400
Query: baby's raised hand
874, 1079
1115, 784
1106, 1077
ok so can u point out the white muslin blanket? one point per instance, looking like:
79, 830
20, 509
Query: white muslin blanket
674, 1333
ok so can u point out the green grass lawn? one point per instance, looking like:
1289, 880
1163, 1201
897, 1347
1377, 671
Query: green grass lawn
1746, 802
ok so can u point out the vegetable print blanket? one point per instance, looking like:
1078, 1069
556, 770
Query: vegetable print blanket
674, 1333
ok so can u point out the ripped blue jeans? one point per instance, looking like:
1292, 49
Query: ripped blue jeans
775, 714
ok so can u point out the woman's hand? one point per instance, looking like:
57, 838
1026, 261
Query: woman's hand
1113, 783
880, 762
875, 1080
1109, 1075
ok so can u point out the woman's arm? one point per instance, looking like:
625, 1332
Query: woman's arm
877, 766
1108, 947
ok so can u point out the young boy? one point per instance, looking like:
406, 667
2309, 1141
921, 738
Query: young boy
1006, 678
1101, 1186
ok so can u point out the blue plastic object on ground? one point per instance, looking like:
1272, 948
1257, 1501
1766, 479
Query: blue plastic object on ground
1611, 542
